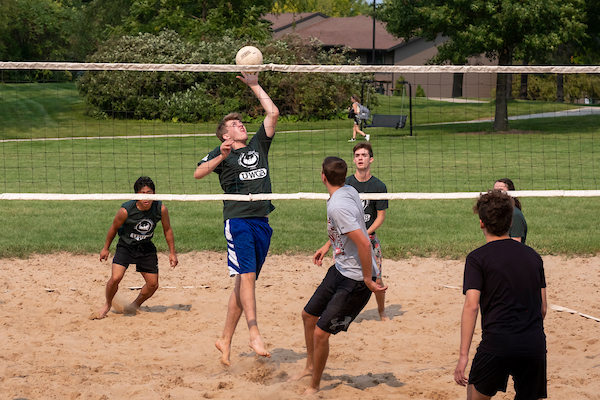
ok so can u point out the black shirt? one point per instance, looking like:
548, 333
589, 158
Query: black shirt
510, 276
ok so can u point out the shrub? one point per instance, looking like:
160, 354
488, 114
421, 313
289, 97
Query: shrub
193, 97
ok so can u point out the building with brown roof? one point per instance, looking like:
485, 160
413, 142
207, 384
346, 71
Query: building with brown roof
357, 33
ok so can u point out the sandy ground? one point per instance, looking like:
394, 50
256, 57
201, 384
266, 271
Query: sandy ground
49, 349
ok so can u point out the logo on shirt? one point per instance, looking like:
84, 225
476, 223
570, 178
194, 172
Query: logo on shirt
251, 175
249, 160
143, 227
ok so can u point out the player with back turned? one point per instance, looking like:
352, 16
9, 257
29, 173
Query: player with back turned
505, 279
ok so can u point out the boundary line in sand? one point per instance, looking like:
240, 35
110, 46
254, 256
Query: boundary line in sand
550, 306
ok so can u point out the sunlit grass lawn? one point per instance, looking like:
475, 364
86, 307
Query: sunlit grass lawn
558, 153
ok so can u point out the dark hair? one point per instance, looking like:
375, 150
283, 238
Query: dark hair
355, 98
495, 209
335, 169
511, 186
222, 128
363, 145
141, 182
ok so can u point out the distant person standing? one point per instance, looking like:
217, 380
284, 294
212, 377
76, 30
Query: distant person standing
355, 110
518, 229
506, 281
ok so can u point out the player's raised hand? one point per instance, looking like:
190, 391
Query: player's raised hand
249, 78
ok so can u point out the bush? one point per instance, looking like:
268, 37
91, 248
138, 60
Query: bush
193, 97
420, 92
543, 87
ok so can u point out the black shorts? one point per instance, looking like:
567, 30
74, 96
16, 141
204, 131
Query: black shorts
489, 374
337, 301
142, 255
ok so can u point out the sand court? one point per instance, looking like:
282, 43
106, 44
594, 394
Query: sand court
51, 350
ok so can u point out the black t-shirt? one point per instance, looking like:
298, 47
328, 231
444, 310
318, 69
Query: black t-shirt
245, 171
373, 185
510, 276
138, 228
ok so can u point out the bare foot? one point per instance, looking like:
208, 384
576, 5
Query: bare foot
259, 347
310, 391
383, 316
296, 377
225, 349
101, 313
96, 315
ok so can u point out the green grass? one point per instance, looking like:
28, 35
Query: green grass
554, 153
442, 228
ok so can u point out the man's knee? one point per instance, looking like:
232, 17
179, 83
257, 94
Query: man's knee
321, 335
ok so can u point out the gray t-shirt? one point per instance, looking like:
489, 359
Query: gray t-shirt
345, 214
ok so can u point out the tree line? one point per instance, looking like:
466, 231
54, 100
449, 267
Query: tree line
525, 32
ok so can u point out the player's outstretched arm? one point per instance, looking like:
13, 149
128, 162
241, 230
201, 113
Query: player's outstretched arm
271, 110
169, 237
112, 232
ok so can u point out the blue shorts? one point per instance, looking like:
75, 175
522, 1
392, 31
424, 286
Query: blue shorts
248, 241
489, 374
337, 301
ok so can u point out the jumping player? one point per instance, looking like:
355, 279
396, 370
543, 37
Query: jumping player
135, 223
348, 284
506, 280
243, 169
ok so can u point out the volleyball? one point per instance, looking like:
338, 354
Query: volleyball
249, 55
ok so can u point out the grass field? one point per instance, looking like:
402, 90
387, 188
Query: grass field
552, 153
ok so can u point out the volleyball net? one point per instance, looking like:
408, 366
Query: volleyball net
60, 140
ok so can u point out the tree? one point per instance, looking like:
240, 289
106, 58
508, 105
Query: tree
36, 30
197, 19
331, 8
208, 96
503, 30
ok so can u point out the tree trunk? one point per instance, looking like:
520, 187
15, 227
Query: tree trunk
524, 79
501, 117
560, 92
509, 81
457, 84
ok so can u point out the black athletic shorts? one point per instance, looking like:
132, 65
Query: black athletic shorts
489, 374
143, 255
337, 301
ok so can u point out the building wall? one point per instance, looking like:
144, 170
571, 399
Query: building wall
419, 51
